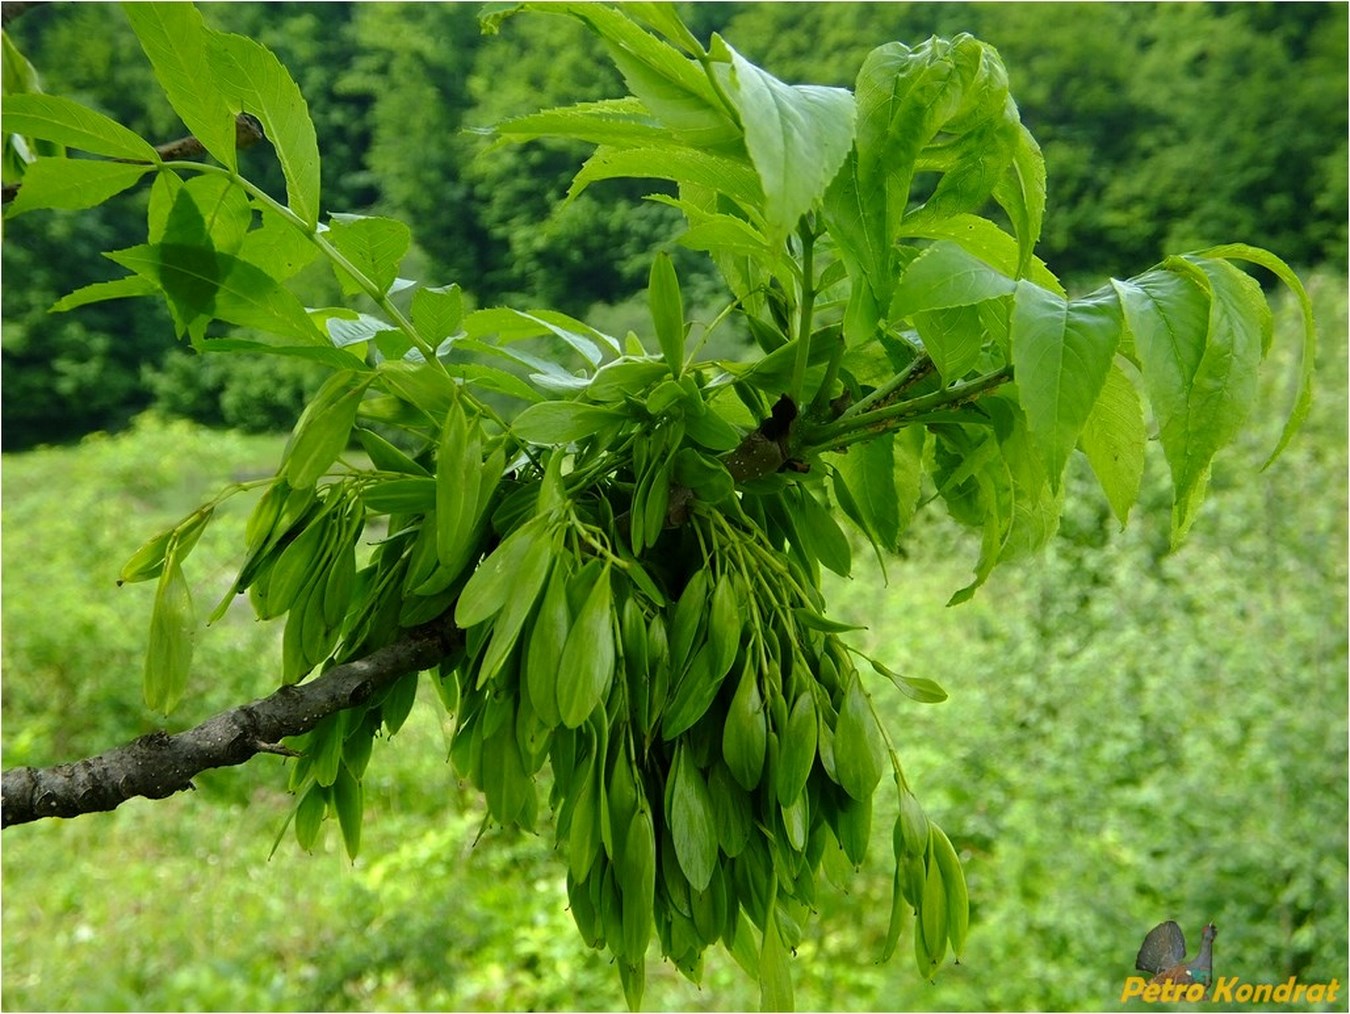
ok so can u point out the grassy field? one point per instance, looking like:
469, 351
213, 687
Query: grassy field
1133, 734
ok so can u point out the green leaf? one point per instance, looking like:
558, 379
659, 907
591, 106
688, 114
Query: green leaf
294, 568
954, 888
148, 560
904, 96
1061, 353
725, 623
689, 813
910, 835
175, 39
374, 246
309, 814
399, 496
526, 584
72, 184
726, 175
437, 312
429, 389
745, 733
946, 275
459, 473
543, 656
19, 77
731, 810
388, 458
172, 630
859, 751
798, 137
349, 802
506, 787
722, 234
512, 325
621, 122
710, 430
617, 381
898, 911
868, 469
204, 209
933, 914
775, 977
277, 248
69, 123
693, 696
1021, 193
812, 620
673, 87
323, 429
490, 586
917, 688
583, 828
97, 292
822, 536
490, 378
250, 75
686, 622
1198, 333
1113, 439
667, 310
953, 337
984, 240
249, 297
201, 284
856, 215
1308, 352
587, 665
562, 422
705, 475
665, 18
797, 750
974, 164
638, 872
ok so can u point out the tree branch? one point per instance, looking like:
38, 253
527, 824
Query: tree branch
158, 765
247, 132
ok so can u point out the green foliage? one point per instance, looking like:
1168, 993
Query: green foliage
1133, 734
1146, 115
1142, 112
647, 532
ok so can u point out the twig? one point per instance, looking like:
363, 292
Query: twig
158, 765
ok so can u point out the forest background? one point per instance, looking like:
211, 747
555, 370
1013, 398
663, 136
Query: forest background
1134, 734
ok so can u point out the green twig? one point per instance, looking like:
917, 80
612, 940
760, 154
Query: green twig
910, 375
861, 427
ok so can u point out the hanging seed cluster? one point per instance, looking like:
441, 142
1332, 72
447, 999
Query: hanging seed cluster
636, 622
708, 731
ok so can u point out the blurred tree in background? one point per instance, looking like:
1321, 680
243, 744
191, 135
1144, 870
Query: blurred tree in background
1165, 126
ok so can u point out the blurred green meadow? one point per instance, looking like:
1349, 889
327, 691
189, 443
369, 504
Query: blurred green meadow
1133, 734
